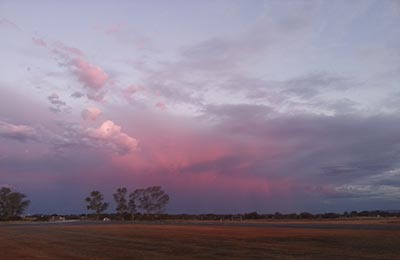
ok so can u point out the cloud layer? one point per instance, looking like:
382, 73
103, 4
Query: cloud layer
253, 105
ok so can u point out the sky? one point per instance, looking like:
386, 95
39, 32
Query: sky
230, 106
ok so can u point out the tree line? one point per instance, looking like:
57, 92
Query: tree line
141, 203
150, 200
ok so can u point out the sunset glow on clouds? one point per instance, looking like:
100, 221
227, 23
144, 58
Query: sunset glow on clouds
231, 106
91, 113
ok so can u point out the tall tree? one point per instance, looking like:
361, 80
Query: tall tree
134, 202
95, 203
12, 204
151, 200
120, 199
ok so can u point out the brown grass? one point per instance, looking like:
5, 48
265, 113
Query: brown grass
130, 241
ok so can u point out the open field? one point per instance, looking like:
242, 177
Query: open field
200, 241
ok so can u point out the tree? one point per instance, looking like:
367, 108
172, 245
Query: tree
152, 200
134, 202
120, 199
12, 204
306, 215
95, 203
252, 215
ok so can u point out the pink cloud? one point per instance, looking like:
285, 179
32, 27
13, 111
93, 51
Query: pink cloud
242, 185
73, 50
8, 24
90, 75
161, 105
115, 28
69, 50
39, 42
93, 77
110, 135
184, 150
17, 132
91, 113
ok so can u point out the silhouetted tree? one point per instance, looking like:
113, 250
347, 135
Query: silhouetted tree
120, 199
12, 204
154, 200
151, 200
251, 215
134, 201
95, 203
306, 215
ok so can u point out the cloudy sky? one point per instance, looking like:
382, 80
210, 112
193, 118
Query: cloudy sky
230, 106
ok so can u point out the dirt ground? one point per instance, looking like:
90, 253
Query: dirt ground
151, 241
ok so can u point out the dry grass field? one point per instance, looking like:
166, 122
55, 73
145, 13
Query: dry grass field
151, 241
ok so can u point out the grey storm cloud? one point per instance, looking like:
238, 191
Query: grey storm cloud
339, 151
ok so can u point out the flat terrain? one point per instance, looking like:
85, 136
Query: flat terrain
205, 240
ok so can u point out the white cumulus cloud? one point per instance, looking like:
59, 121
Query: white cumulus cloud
109, 135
